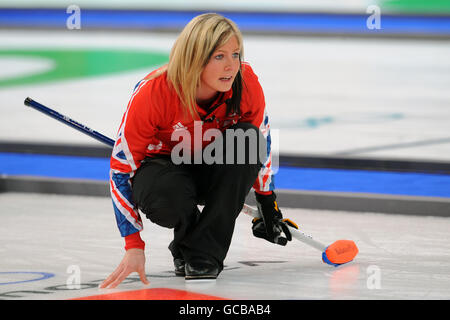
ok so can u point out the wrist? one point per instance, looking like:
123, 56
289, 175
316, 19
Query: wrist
265, 197
264, 193
134, 241
268, 205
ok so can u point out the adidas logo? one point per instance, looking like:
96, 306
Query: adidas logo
179, 126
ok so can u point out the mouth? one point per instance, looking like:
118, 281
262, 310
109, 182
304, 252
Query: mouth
226, 79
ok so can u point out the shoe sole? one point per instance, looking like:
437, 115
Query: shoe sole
199, 278
195, 280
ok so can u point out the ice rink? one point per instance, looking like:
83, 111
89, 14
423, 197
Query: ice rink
47, 240
330, 97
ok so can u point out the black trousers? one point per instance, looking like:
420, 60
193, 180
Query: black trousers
169, 196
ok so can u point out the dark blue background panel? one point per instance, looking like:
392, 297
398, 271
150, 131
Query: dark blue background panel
271, 22
311, 179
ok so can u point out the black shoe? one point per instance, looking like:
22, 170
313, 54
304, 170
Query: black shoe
201, 270
179, 264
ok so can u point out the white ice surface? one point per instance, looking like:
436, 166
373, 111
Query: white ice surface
401, 257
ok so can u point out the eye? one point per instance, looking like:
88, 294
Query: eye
219, 57
236, 55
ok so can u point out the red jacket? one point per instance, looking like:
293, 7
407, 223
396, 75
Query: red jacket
153, 113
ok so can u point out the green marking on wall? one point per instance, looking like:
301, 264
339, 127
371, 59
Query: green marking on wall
416, 6
82, 63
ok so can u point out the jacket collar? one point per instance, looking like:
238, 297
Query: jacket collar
217, 103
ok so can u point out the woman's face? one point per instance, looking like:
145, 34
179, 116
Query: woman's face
218, 75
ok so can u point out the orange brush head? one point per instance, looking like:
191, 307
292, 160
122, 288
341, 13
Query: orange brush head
341, 251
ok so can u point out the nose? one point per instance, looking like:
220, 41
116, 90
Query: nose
229, 64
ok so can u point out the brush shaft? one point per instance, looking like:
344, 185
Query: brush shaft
68, 121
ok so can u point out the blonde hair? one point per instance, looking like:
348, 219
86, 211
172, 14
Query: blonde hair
192, 51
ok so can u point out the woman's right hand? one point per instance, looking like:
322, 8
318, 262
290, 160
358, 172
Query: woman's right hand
133, 261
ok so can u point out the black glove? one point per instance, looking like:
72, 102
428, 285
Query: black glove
271, 225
